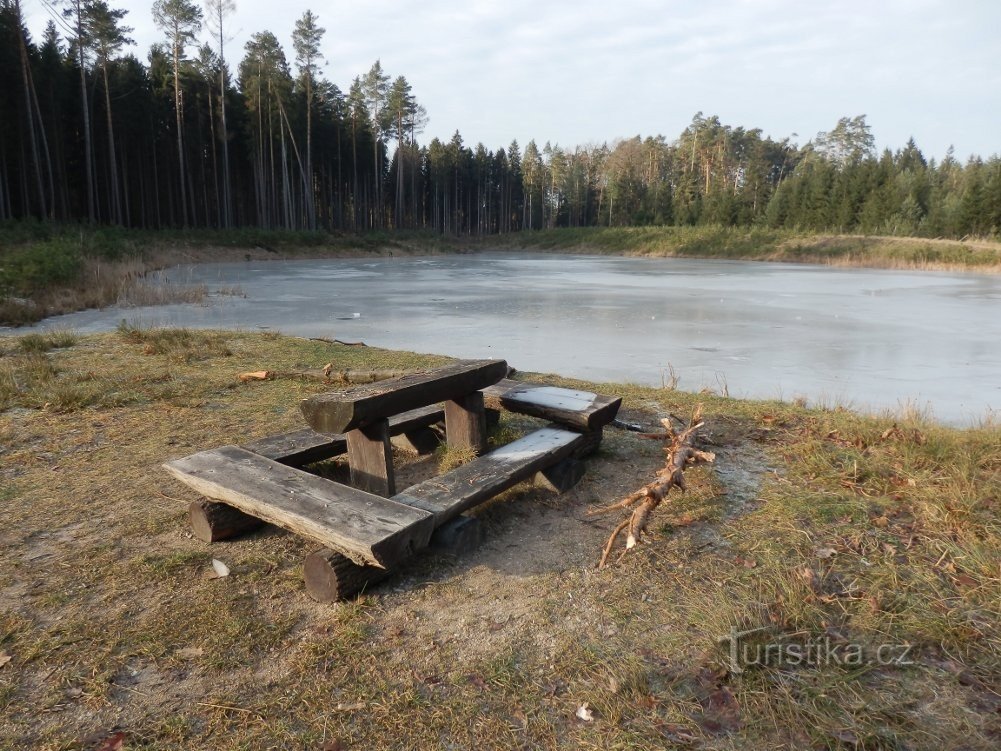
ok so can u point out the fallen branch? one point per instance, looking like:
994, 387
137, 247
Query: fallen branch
328, 340
680, 453
327, 374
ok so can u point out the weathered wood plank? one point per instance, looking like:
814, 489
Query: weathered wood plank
580, 410
365, 527
466, 487
298, 448
466, 422
340, 412
370, 457
302, 447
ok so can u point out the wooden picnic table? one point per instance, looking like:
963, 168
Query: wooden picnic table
362, 414
367, 527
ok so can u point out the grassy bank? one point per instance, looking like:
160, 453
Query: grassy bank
49, 269
763, 245
816, 525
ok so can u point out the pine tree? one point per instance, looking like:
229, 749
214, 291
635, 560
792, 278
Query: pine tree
306, 41
218, 11
375, 86
181, 20
81, 43
108, 37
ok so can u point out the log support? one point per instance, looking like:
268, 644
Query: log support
560, 477
212, 522
465, 422
457, 536
492, 418
422, 441
370, 456
331, 576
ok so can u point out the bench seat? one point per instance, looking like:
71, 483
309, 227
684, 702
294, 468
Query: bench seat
579, 410
367, 528
481, 479
302, 447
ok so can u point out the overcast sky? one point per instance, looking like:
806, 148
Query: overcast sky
597, 70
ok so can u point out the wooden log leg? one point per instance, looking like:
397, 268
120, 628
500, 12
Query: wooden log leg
423, 441
331, 577
457, 536
465, 422
492, 417
212, 522
592, 444
370, 457
560, 477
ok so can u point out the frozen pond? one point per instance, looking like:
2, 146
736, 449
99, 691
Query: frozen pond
870, 339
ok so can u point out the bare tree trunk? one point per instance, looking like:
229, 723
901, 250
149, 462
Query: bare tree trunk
354, 162
29, 112
179, 118
309, 197
227, 201
5, 210
85, 103
340, 181
216, 188
116, 201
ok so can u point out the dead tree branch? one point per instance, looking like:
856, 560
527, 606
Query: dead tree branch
680, 454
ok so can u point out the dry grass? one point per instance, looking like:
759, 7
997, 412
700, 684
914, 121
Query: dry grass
130, 283
759, 244
814, 523
450, 457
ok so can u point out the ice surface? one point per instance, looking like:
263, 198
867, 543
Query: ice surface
867, 338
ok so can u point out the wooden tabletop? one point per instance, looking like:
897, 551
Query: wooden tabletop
343, 411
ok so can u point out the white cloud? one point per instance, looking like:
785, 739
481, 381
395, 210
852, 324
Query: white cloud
595, 70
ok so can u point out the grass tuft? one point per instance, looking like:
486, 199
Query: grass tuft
45, 342
451, 457
178, 344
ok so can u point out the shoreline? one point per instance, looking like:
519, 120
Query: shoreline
99, 277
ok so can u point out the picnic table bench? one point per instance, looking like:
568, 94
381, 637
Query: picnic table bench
367, 527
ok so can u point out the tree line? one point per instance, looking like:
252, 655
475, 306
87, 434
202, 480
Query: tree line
90, 133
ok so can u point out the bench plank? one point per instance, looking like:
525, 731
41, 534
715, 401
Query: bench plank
302, 447
366, 528
340, 412
581, 410
481, 479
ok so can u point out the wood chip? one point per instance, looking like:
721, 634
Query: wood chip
257, 375
219, 569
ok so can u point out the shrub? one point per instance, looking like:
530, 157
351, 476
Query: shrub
29, 269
